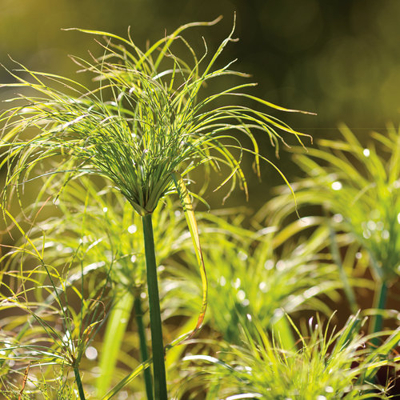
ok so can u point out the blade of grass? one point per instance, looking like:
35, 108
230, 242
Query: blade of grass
116, 326
145, 364
380, 354
283, 332
127, 379
194, 232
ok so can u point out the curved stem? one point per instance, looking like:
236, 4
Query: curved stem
143, 345
160, 381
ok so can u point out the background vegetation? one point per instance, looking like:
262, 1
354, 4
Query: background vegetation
338, 59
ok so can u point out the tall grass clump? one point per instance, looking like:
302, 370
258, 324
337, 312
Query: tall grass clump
357, 187
98, 228
325, 364
145, 125
261, 274
49, 320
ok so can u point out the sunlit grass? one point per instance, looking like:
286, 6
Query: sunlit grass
357, 186
144, 126
326, 364
96, 242
144, 121
48, 322
264, 273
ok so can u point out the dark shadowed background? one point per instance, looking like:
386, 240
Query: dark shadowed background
340, 59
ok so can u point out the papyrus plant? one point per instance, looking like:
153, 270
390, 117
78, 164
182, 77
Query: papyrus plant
326, 364
145, 126
48, 319
358, 186
263, 273
98, 228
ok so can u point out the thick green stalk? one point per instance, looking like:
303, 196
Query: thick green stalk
143, 345
379, 305
160, 381
79, 384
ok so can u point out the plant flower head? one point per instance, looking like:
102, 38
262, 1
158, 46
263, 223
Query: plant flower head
140, 126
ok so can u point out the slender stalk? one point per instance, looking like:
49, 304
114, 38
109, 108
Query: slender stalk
79, 383
143, 345
334, 248
379, 304
348, 290
160, 382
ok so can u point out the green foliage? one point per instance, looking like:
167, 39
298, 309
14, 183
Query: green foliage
255, 274
49, 333
360, 185
326, 365
358, 189
96, 242
144, 127
151, 120
145, 121
98, 221
38, 385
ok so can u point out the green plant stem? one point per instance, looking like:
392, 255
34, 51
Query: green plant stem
379, 304
79, 383
143, 345
348, 290
160, 381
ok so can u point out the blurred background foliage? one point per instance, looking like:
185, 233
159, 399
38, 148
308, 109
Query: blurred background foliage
339, 59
